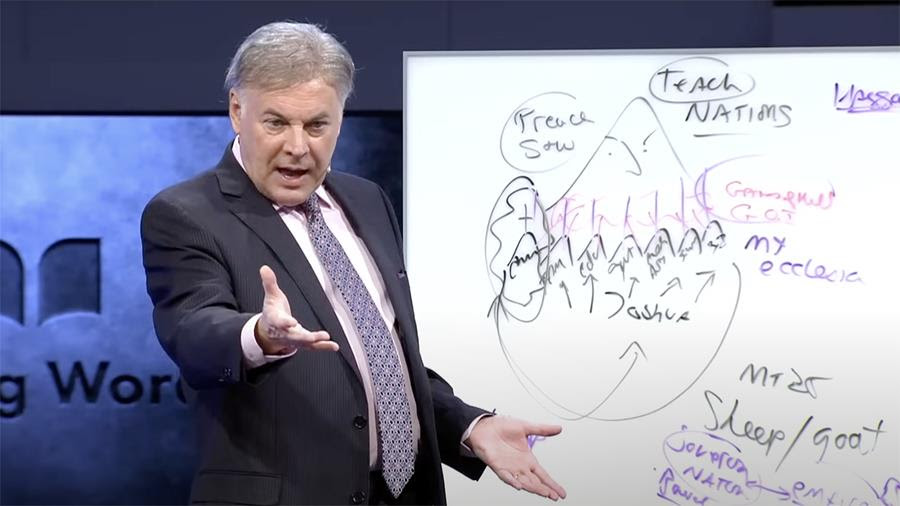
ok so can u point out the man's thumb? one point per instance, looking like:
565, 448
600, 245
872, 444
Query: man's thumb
543, 430
270, 285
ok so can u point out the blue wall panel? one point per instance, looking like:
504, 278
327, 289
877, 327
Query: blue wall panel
91, 411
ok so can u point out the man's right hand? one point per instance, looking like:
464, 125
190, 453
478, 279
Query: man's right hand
277, 332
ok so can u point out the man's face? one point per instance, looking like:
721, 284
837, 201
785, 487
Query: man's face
287, 137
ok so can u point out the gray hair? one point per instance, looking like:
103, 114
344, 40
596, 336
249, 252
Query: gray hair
280, 55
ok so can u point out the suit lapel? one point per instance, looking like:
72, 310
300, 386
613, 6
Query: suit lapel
257, 213
368, 218
369, 223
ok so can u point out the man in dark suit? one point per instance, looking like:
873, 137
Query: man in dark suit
279, 290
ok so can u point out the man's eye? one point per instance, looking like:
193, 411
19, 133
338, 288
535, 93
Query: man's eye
274, 123
318, 126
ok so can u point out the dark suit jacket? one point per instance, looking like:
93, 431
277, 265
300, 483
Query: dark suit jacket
292, 431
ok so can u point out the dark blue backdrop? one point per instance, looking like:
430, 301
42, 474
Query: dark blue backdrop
153, 56
90, 409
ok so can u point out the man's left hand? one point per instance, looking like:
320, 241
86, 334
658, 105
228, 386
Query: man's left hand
502, 443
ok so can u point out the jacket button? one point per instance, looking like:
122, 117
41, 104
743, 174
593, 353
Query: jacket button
360, 422
226, 375
358, 497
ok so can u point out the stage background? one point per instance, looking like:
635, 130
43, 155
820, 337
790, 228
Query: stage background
91, 411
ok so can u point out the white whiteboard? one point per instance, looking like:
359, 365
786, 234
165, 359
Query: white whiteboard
664, 251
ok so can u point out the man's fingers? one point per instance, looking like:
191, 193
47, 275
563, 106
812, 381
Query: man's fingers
323, 346
510, 479
533, 484
550, 482
298, 333
318, 340
278, 323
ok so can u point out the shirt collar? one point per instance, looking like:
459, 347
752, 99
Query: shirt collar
325, 199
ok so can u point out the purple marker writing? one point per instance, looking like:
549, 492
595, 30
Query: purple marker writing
532, 439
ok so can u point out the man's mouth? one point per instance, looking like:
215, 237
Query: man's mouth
291, 173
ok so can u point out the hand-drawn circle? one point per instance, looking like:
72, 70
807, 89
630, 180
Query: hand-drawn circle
745, 79
496, 252
567, 413
516, 155
728, 467
711, 202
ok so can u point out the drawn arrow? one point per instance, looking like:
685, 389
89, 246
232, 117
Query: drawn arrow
674, 281
634, 281
562, 284
782, 494
637, 352
634, 344
709, 281
590, 278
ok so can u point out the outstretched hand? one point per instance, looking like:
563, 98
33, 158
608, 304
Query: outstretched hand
502, 443
277, 332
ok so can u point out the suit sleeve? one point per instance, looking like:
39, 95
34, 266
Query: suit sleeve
194, 310
452, 416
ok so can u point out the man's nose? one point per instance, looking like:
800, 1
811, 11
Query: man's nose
297, 142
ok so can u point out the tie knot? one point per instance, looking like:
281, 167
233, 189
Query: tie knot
311, 207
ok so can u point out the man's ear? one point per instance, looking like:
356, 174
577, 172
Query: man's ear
234, 110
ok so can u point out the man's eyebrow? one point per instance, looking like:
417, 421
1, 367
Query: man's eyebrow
318, 117
322, 115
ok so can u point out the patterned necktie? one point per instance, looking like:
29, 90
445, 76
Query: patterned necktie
391, 404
